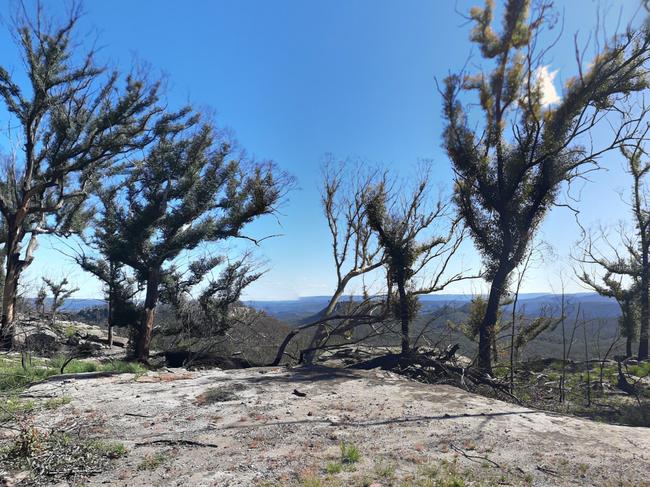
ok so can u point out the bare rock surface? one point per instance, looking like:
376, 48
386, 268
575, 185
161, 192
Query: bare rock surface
270, 426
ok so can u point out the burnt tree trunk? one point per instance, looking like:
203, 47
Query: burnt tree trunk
486, 331
645, 307
109, 318
404, 314
628, 347
12, 272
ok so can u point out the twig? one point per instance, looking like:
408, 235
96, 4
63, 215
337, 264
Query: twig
473, 457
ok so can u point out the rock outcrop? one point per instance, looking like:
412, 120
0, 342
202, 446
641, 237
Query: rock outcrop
256, 425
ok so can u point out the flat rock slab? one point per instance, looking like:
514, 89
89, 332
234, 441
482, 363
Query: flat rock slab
251, 426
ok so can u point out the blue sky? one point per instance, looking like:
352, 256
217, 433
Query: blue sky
296, 80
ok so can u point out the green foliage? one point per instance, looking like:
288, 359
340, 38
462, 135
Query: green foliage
641, 369
109, 449
190, 188
350, 454
334, 468
152, 462
470, 327
531, 330
119, 286
14, 377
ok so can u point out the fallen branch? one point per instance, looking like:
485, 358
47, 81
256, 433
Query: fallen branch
177, 442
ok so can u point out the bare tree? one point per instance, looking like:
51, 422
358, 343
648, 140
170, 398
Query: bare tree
627, 298
355, 250
368, 218
60, 292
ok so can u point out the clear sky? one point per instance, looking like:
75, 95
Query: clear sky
296, 80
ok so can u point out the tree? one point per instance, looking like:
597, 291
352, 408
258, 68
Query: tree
505, 184
631, 263
39, 303
639, 250
206, 311
73, 120
403, 227
60, 292
354, 247
189, 189
120, 286
357, 204
627, 298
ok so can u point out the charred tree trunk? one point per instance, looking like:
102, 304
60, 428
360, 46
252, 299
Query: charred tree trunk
486, 331
320, 335
628, 347
404, 314
146, 326
109, 318
645, 307
10, 291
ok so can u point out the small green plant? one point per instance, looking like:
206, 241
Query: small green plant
57, 402
451, 480
428, 471
349, 454
311, 481
385, 470
29, 441
152, 462
640, 370
108, 449
333, 468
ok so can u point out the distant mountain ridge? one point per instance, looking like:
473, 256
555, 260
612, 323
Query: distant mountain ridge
592, 305
294, 311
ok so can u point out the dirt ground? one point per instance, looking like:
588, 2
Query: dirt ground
279, 426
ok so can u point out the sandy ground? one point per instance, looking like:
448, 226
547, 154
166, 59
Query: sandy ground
259, 431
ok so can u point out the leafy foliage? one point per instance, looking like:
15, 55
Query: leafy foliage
188, 189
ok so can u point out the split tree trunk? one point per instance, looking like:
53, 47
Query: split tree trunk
14, 267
